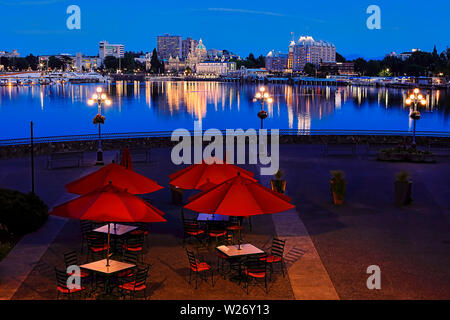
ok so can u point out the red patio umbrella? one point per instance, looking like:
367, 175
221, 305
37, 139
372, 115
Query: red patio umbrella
120, 177
239, 196
126, 159
198, 176
109, 204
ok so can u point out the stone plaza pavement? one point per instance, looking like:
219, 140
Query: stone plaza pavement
328, 248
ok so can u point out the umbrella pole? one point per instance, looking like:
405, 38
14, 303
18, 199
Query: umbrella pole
107, 250
239, 238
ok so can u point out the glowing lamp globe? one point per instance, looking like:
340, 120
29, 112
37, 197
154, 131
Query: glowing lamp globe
99, 89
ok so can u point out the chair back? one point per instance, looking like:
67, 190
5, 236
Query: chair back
192, 259
190, 225
71, 258
135, 242
85, 226
61, 278
95, 240
130, 257
141, 277
277, 247
254, 264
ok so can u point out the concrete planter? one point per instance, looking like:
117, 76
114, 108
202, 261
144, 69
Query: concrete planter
278, 185
177, 195
403, 191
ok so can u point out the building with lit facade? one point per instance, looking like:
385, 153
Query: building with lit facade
12, 54
308, 50
188, 45
216, 68
277, 61
169, 46
86, 63
106, 49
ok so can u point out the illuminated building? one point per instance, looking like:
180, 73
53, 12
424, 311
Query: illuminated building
169, 46
106, 49
307, 50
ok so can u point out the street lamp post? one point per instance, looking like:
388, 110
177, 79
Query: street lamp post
100, 98
414, 99
262, 96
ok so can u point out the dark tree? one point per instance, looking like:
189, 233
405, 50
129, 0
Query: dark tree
128, 62
340, 58
33, 61
55, 63
111, 63
310, 69
156, 65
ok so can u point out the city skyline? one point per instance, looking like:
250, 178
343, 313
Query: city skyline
241, 28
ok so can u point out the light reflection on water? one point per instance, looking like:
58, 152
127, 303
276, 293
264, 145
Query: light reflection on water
163, 106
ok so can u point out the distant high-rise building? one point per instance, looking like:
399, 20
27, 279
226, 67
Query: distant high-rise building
106, 49
188, 46
277, 61
169, 46
307, 50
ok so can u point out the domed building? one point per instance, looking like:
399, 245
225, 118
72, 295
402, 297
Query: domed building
198, 55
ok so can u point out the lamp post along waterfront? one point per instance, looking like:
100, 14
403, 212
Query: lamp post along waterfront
100, 97
262, 96
414, 99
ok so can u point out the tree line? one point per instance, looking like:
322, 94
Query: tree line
127, 64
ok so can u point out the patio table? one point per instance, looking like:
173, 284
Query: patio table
212, 217
234, 252
116, 230
113, 268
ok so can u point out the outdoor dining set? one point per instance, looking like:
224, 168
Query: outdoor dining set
115, 219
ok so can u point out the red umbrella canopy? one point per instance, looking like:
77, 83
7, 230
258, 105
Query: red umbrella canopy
239, 196
197, 176
118, 176
109, 204
126, 159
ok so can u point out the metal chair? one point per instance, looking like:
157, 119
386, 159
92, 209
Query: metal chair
254, 268
134, 244
191, 229
137, 284
62, 288
198, 268
96, 245
275, 255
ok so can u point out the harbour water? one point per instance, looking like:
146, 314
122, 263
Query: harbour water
62, 109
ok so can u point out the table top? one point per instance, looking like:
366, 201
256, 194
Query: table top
114, 266
246, 249
212, 217
115, 229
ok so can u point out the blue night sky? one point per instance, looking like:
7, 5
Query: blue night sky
39, 27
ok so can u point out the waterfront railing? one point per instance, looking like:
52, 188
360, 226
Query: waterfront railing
166, 134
